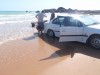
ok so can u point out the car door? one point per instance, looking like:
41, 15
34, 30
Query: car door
56, 24
73, 30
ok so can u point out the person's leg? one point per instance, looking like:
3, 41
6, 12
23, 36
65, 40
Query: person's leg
42, 27
41, 32
38, 31
38, 27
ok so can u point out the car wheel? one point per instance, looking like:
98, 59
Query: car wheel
94, 41
50, 33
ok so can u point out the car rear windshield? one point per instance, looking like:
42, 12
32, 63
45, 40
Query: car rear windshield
87, 20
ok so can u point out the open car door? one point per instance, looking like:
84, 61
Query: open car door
72, 31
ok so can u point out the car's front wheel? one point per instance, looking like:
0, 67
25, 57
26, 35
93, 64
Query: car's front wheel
50, 33
94, 41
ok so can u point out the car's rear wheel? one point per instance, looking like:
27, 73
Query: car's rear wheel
50, 33
94, 41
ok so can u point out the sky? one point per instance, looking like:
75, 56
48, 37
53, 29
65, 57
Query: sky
34, 5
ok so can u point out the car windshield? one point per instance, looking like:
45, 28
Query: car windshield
88, 20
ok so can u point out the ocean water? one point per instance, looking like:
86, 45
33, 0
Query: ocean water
15, 16
15, 25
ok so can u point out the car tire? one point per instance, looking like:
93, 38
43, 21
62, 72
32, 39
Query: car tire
94, 41
50, 33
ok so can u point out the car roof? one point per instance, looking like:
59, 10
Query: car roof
67, 15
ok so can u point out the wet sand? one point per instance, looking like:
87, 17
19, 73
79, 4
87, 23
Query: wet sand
42, 55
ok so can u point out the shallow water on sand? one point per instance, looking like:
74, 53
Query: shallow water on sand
16, 25
11, 31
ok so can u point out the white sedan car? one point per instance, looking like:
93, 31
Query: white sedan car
75, 28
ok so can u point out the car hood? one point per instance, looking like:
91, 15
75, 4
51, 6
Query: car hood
97, 26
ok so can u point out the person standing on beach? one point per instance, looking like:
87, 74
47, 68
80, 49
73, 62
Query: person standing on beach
40, 16
52, 15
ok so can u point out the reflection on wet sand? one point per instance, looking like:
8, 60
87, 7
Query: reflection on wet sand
35, 55
69, 48
63, 50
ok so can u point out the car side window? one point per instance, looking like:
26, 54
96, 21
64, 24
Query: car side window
79, 24
72, 22
56, 21
61, 20
75, 23
67, 21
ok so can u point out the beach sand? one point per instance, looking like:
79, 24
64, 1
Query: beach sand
41, 55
